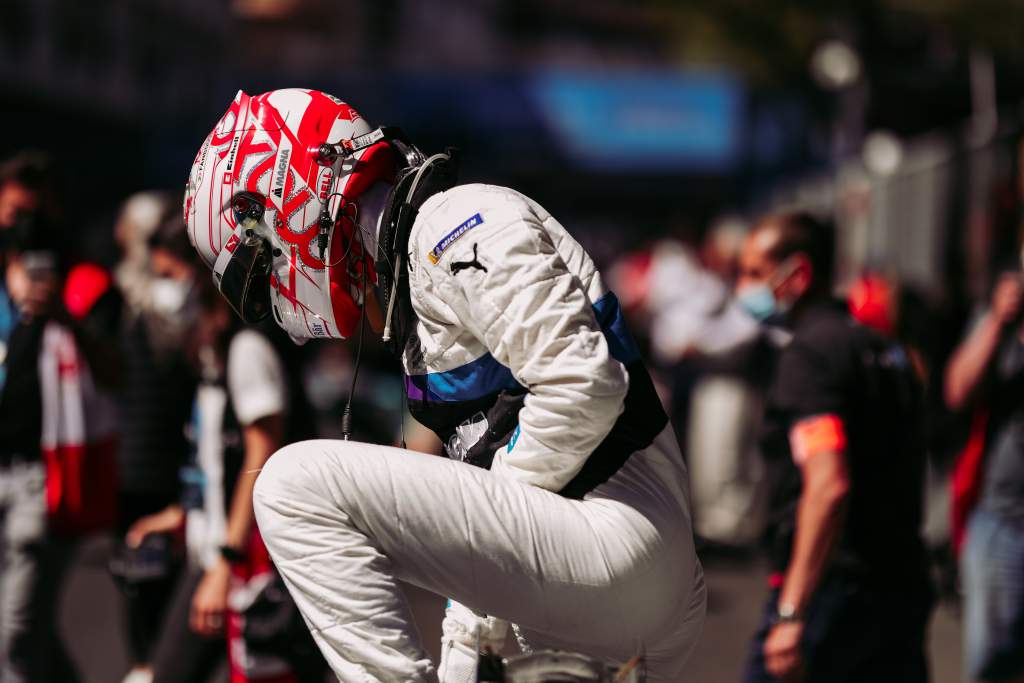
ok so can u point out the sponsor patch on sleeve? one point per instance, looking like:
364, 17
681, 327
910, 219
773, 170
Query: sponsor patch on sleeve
448, 240
818, 434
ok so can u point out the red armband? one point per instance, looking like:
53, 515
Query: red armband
818, 434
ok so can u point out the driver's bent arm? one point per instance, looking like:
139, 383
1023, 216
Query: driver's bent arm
533, 314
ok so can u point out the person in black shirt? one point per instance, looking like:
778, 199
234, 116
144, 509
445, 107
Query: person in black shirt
28, 291
851, 597
32, 563
155, 405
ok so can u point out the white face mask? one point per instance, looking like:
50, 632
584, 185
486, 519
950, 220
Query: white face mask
169, 296
759, 300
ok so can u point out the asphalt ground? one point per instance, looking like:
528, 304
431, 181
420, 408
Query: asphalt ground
93, 631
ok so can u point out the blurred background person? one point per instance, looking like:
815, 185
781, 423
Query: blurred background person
157, 389
26, 190
32, 563
712, 361
850, 598
728, 476
903, 313
985, 374
238, 419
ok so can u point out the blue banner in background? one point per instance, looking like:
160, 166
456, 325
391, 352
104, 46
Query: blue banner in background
642, 120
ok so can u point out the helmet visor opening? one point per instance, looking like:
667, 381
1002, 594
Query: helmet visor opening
244, 279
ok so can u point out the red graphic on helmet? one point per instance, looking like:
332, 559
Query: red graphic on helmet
267, 147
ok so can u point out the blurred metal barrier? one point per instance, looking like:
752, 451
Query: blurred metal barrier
936, 212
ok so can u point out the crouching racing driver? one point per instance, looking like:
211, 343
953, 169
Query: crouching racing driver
563, 508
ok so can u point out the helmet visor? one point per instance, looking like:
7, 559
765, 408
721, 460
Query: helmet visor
242, 274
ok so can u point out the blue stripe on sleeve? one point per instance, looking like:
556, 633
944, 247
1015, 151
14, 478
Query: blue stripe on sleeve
485, 375
468, 382
620, 342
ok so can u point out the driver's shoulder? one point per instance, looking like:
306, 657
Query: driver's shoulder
451, 217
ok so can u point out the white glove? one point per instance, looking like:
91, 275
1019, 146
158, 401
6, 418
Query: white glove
464, 634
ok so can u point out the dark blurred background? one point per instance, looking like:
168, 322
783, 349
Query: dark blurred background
654, 116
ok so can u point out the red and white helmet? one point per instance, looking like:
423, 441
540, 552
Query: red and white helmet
274, 214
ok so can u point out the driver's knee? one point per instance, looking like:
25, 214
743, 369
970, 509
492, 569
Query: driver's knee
286, 473
291, 492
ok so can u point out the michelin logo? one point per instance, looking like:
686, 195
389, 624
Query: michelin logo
448, 240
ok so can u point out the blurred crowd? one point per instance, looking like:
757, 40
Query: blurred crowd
767, 365
133, 401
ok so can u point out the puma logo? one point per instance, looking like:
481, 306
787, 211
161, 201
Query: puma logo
458, 266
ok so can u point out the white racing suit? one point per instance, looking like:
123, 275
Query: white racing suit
579, 532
